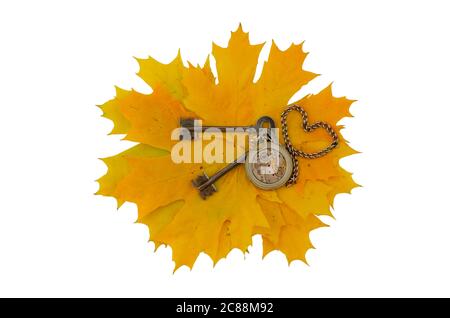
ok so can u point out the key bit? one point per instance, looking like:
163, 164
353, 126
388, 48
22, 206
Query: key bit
204, 191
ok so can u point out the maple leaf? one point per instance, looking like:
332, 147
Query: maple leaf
168, 203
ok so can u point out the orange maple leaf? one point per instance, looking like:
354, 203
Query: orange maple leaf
169, 205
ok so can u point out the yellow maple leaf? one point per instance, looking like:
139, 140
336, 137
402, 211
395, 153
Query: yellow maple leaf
168, 203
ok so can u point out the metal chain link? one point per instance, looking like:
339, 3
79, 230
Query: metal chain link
308, 128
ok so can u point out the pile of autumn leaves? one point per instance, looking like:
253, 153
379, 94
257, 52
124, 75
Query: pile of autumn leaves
166, 200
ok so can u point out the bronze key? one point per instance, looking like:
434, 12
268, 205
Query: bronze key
188, 123
205, 184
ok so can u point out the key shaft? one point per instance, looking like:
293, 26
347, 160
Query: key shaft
222, 172
189, 124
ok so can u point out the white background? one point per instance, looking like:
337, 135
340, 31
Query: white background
61, 58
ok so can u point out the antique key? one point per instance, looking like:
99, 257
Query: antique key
205, 185
189, 124
253, 166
